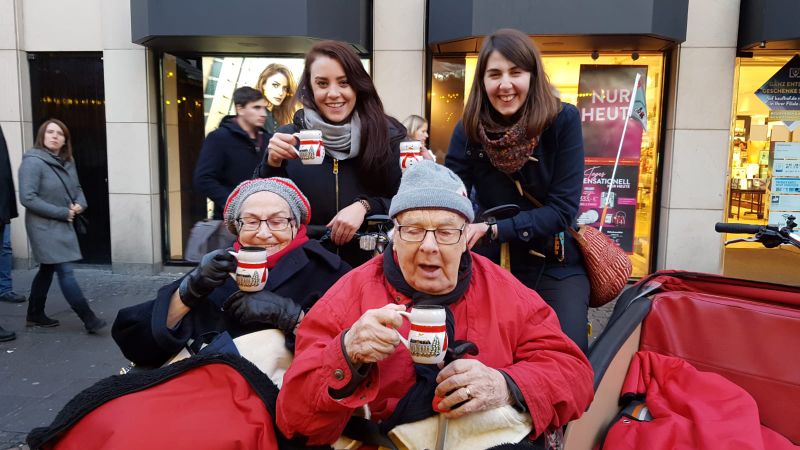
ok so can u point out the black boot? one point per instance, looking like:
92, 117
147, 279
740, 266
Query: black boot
6, 335
91, 322
36, 316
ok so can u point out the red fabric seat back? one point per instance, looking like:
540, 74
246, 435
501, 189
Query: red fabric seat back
745, 331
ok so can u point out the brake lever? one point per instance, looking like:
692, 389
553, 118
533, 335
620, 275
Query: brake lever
734, 241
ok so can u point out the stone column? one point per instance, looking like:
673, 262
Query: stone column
697, 138
132, 135
15, 108
398, 68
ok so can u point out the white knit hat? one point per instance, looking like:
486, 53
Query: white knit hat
427, 185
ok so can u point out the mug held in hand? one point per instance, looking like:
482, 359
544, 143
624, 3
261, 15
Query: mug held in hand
427, 339
251, 268
311, 149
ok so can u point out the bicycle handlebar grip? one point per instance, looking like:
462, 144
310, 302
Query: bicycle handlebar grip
739, 228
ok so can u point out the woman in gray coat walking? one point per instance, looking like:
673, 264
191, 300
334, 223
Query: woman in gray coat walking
52, 195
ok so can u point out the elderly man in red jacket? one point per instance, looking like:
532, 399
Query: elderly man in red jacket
347, 354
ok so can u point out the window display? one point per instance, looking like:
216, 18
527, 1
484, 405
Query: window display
764, 160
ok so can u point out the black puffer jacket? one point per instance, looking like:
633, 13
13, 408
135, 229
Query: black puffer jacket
228, 157
329, 191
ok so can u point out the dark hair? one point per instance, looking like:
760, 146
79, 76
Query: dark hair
541, 106
375, 146
246, 95
66, 151
283, 113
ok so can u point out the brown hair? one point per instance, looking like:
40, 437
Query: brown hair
66, 151
283, 113
375, 146
541, 106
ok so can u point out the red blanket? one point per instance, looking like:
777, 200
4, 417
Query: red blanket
208, 407
690, 409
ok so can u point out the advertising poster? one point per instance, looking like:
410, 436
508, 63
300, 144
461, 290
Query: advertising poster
603, 101
222, 75
781, 94
621, 214
604, 93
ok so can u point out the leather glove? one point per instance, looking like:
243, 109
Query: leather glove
210, 274
264, 307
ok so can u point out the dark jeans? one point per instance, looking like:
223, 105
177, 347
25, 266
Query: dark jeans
570, 300
66, 280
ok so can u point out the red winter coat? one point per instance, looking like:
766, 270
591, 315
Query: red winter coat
690, 409
512, 326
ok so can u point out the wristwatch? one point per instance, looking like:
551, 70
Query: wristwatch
365, 204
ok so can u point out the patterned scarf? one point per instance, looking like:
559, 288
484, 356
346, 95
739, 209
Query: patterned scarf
510, 151
341, 141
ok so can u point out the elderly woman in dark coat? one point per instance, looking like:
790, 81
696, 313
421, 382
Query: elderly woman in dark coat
51, 193
268, 212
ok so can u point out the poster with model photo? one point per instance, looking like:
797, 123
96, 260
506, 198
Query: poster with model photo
277, 77
604, 94
620, 216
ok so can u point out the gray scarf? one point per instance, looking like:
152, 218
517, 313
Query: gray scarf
341, 141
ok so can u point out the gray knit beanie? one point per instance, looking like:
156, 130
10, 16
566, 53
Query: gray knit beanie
283, 187
432, 186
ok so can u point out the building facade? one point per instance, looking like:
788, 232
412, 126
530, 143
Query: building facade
143, 81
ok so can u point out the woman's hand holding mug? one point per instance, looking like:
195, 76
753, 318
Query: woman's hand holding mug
281, 147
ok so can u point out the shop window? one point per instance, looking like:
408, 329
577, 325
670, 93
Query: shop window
196, 93
630, 219
764, 162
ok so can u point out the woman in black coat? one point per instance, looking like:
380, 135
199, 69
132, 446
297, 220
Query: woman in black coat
517, 137
361, 170
269, 213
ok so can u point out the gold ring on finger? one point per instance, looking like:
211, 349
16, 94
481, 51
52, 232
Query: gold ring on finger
469, 394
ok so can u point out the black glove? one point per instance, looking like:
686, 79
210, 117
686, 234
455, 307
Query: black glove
264, 307
211, 273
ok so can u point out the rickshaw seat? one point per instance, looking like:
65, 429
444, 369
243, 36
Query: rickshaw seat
745, 331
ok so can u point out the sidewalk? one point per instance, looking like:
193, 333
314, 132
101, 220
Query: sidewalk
44, 368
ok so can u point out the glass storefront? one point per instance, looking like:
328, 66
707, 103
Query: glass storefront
196, 93
588, 83
764, 162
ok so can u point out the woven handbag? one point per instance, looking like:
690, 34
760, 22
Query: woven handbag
607, 265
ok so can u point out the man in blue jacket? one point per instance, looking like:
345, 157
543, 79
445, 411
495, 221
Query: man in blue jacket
231, 153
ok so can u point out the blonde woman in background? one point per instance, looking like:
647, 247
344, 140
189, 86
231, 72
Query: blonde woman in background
277, 84
417, 130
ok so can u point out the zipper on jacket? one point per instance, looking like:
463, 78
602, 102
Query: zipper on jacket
336, 180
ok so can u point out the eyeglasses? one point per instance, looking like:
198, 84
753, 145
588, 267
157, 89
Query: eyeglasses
273, 223
444, 236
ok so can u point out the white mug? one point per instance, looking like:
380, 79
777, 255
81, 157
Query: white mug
251, 268
311, 149
410, 153
427, 339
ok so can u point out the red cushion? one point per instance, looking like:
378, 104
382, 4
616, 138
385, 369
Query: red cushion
752, 344
208, 407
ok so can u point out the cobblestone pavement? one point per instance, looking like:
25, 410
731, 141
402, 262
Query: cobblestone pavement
45, 367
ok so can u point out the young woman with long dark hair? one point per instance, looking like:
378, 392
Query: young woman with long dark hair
518, 138
360, 172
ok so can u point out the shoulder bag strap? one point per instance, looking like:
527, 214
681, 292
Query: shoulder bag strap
72, 200
539, 204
